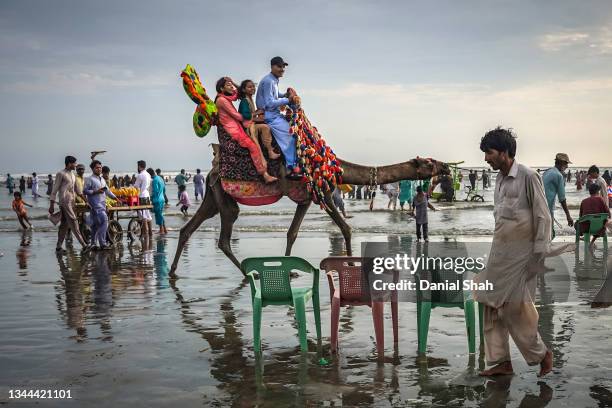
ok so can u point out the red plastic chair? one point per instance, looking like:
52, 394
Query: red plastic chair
352, 291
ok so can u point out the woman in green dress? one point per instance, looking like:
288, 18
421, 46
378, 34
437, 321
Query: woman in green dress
406, 193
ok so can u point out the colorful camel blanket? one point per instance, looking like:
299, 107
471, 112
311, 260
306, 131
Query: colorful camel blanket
317, 162
240, 179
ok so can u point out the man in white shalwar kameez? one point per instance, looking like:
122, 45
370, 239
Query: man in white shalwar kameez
521, 239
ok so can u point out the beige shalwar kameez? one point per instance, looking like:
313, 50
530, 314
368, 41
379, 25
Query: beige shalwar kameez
522, 227
63, 188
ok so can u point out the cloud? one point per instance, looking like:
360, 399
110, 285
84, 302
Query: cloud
595, 40
85, 80
446, 120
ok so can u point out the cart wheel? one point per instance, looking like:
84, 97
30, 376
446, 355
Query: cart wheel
115, 232
85, 231
134, 229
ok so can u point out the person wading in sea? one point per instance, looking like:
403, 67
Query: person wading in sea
520, 241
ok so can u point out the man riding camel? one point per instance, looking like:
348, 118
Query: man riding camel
270, 100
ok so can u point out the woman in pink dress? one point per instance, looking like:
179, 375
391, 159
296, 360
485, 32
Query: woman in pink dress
234, 124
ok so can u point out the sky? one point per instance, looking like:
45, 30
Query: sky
383, 81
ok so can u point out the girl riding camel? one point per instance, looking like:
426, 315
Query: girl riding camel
258, 127
235, 125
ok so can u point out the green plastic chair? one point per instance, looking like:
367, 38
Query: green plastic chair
275, 289
596, 222
430, 299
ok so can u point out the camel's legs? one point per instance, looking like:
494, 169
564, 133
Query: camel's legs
292, 233
340, 222
229, 214
208, 209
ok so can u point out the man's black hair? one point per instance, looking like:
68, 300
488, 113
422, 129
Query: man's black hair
158, 171
593, 169
594, 188
69, 159
142, 163
500, 139
105, 169
94, 164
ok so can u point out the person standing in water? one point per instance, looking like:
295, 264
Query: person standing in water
420, 204
158, 199
22, 185
96, 190
35, 185
10, 183
198, 184
554, 186
521, 239
63, 190
181, 179
159, 173
49, 184
406, 194
142, 183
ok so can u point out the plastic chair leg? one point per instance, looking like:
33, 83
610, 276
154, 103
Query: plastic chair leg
317, 312
481, 322
379, 328
335, 321
587, 238
470, 324
257, 310
394, 317
300, 315
423, 325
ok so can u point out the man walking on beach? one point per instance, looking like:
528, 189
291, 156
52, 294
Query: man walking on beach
198, 184
64, 188
520, 241
554, 186
269, 99
96, 190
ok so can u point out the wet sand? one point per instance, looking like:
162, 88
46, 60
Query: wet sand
115, 331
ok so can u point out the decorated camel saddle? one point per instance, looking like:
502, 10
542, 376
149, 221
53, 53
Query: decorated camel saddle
317, 163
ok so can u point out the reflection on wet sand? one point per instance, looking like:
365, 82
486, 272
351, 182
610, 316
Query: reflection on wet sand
96, 291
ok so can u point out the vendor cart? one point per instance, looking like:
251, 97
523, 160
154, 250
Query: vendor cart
115, 214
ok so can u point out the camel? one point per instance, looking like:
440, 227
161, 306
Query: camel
217, 201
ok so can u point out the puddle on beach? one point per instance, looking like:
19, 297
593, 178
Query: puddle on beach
115, 331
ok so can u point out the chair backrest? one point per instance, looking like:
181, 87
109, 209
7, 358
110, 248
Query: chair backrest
596, 221
274, 274
350, 276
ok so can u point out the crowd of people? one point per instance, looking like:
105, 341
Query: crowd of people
70, 189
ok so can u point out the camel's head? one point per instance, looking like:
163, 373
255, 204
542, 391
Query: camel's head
428, 167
